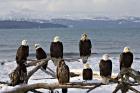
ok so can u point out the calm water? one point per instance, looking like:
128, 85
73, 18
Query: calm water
110, 41
103, 40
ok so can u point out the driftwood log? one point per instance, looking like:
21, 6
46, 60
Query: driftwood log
39, 64
26, 88
124, 85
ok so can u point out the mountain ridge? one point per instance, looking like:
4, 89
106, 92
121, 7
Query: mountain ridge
9, 24
97, 22
100, 23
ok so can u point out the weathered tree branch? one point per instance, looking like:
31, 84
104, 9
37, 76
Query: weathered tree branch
6, 83
98, 85
34, 62
26, 88
123, 85
40, 64
49, 73
131, 73
133, 89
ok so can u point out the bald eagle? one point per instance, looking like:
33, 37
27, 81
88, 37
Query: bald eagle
22, 53
85, 48
56, 50
40, 54
126, 58
63, 74
87, 72
105, 67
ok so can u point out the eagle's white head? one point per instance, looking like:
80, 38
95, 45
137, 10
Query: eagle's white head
24, 43
37, 46
105, 57
86, 65
84, 36
56, 39
126, 49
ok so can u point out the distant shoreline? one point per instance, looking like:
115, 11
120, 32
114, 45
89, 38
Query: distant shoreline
67, 23
8, 24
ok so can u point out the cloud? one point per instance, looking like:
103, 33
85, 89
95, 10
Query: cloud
65, 8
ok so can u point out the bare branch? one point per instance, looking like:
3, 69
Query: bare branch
49, 72
40, 64
125, 86
6, 83
133, 89
34, 62
98, 85
26, 88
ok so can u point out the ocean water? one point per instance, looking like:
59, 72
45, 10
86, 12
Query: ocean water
111, 41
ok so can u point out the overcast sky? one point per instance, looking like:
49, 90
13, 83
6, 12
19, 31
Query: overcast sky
68, 8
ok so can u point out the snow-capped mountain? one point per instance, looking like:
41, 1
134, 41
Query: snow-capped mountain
96, 22
101, 22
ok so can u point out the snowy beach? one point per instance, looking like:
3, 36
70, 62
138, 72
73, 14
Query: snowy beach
85, 46
76, 67
111, 41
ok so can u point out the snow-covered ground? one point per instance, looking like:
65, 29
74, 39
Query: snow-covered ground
41, 77
102, 89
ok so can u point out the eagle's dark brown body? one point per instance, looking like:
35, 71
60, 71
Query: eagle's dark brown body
40, 54
105, 67
56, 49
22, 54
85, 47
63, 74
126, 60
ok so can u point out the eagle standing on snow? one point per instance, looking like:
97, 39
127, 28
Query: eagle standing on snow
87, 72
85, 47
56, 50
126, 58
40, 54
22, 53
105, 67
63, 74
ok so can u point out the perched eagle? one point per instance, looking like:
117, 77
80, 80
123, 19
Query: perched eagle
87, 72
85, 47
40, 54
105, 67
63, 74
19, 75
126, 58
22, 53
56, 50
